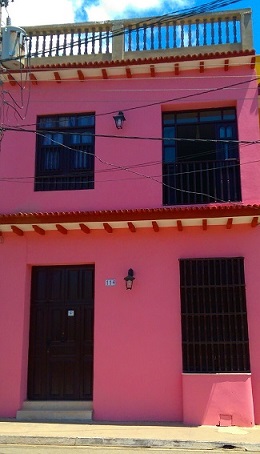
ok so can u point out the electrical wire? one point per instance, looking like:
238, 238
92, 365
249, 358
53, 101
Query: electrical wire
191, 95
175, 15
138, 174
113, 136
170, 100
208, 6
114, 166
11, 103
156, 103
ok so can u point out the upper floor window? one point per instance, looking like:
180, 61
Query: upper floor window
200, 157
65, 152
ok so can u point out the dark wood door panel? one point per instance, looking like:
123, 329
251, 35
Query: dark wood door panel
63, 383
61, 333
87, 378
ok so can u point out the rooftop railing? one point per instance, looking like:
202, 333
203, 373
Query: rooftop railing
144, 37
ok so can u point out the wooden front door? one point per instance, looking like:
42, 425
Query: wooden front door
61, 333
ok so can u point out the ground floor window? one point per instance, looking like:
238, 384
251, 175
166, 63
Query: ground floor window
214, 317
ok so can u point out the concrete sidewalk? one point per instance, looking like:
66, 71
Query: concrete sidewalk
135, 435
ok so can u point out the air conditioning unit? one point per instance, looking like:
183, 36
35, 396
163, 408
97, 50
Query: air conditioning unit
13, 47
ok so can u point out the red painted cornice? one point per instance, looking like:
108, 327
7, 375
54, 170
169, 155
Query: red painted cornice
143, 61
184, 212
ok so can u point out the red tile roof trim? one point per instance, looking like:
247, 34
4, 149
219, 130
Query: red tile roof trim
184, 212
144, 61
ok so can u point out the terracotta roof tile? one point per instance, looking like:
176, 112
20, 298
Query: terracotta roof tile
182, 212
142, 61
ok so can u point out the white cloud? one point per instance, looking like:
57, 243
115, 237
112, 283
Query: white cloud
113, 9
34, 12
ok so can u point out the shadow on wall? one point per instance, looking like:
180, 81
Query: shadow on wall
222, 400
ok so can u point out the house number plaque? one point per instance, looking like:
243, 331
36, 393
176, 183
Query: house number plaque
110, 282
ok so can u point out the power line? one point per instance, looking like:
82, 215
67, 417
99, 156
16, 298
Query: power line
140, 175
191, 95
149, 177
120, 168
113, 136
159, 77
116, 167
153, 138
213, 5
5, 3
175, 15
147, 77
169, 100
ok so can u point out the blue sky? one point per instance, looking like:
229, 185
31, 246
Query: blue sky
28, 12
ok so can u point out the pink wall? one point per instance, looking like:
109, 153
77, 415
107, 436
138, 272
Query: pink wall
13, 325
137, 346
122, 189
219, 399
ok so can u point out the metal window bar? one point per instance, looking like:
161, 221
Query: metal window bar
198, 182
69, 172
214, 319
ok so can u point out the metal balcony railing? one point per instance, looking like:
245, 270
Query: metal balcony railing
123, 39
200, 182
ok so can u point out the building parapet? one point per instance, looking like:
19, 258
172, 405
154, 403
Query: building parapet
140, 38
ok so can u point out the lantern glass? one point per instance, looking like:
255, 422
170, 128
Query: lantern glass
129, 285
129, 279
119, 120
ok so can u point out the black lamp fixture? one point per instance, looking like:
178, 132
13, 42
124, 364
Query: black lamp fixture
119, 120
129, 279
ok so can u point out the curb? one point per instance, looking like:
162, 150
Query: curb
126, 442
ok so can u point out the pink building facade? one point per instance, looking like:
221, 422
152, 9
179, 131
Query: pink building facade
174, 196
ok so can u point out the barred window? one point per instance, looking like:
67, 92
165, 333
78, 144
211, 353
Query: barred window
214, 318
65, 152
200, 157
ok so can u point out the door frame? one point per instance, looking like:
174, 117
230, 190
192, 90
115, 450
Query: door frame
31, 337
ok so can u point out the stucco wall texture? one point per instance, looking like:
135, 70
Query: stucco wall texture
118, 183
137, 334
137, 340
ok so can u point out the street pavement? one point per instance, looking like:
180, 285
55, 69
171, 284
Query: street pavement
18, 449
146, 435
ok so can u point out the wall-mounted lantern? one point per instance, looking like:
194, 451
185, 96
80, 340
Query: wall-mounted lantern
129, 279
119, 120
